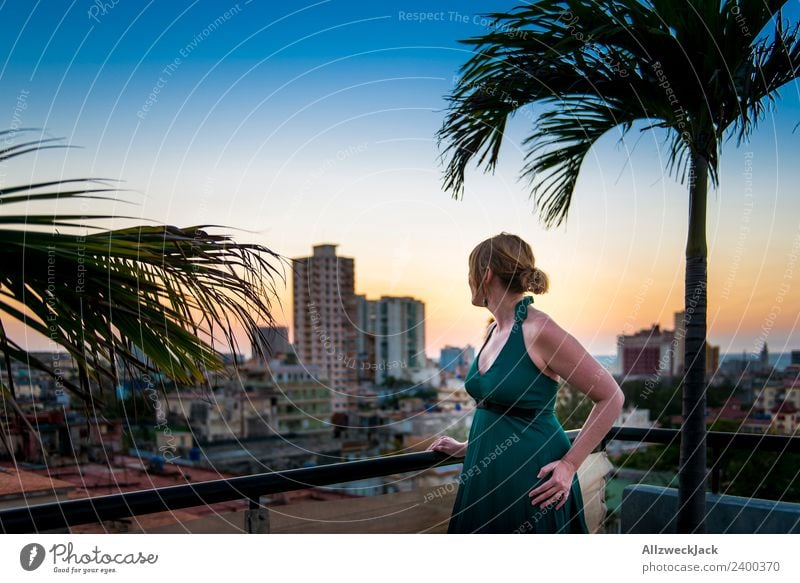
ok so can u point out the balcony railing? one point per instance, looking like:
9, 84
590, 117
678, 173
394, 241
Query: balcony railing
61, 515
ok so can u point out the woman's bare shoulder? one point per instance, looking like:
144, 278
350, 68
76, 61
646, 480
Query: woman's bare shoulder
536, 324
539, 322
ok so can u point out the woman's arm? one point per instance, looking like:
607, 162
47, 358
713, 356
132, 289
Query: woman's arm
564, 354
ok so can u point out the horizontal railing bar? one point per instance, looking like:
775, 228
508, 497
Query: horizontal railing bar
715, 439
57, 515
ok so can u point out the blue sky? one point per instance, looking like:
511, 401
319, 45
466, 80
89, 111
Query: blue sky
305, 122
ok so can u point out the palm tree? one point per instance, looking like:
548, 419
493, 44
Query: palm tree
149, 299
699, 70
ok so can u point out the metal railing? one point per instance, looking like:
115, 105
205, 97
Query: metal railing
61, 515
717, 443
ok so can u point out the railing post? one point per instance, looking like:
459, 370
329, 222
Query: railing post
715, 470
257, 518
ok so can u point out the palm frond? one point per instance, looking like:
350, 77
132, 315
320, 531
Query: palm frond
153, 298
686, 67
773, 63
557, 148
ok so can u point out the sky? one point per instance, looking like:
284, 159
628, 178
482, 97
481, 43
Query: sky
299, 123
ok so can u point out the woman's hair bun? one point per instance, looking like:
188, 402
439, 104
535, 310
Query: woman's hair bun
537, 281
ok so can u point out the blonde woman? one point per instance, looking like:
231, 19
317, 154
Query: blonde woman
520, 470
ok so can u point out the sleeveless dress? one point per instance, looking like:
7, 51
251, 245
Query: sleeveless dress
505, 453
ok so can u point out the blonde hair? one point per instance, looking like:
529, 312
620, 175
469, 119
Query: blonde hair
511, 259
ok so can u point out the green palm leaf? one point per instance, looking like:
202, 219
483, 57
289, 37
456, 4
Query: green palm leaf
152, 298
586, 67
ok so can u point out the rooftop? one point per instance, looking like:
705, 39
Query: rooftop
15, 483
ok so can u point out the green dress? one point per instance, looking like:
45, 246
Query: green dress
505, 452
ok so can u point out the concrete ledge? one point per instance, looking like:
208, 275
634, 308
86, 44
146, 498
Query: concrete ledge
652, 510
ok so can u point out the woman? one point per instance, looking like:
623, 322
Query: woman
520, 472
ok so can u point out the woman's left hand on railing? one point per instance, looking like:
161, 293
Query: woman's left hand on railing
449, 446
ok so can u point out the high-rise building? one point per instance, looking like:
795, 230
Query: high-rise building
325, 329
367, 314
399, 337
391, 337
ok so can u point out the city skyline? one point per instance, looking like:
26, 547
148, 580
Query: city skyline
330, 137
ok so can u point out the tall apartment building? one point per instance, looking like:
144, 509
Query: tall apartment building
367, 316
392, 337
325, 330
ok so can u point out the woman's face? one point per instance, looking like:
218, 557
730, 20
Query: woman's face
477, 298
472, 288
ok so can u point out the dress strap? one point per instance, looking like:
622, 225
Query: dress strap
521, 309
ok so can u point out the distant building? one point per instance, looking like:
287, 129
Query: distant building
29, 392
647, 353
769, 396
732, 409
391, 337
52, 435
261, 400
218, 415
453, 396
430, 374
633, 417
756, 425
273, 342
795, 356
654, 352
679, 336
168, 443
456, 359
712, 359
367, 317
630, 417
232, 358
712, 352
325, 331
303, 404
399, 337
785, 418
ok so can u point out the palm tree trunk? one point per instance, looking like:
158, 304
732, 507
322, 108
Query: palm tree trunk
692, 472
